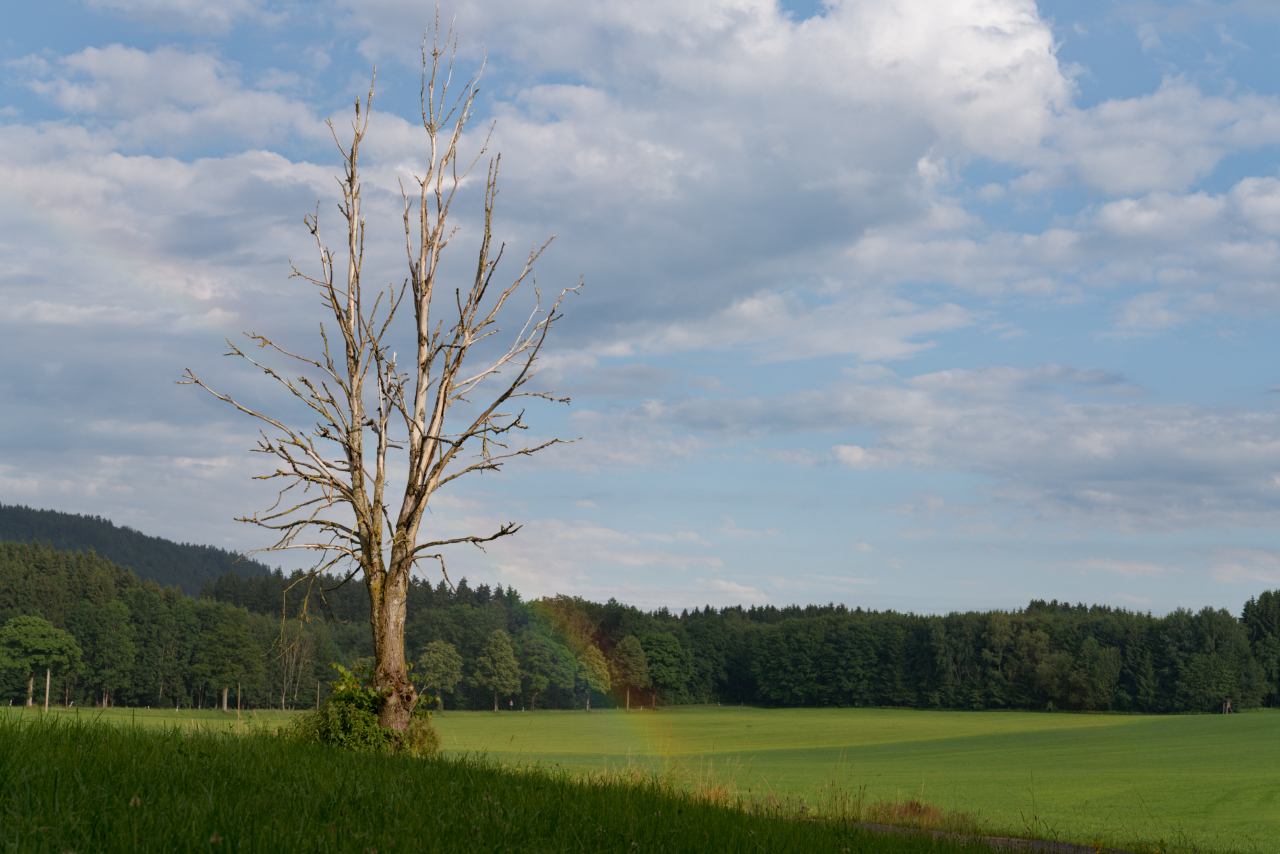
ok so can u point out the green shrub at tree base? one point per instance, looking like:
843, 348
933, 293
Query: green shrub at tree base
349, 720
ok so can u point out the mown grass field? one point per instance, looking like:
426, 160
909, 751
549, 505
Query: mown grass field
1210, 780
1206, 781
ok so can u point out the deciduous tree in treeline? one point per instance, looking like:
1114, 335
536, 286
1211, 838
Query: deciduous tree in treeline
228, 653
107, 635
669, 663
1261, 619
439, 668
359, 504
31, 644
593, 672
547, 663
630, 668
1084, 682
295, 655
497, 669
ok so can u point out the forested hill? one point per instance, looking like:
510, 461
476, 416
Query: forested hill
165, 562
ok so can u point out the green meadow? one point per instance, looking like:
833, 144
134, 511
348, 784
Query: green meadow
1199, 782
1209, 781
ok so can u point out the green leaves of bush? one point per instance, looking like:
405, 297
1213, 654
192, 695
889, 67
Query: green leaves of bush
349, 720
348, 690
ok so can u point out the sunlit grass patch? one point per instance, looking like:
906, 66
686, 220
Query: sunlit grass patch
1202, 782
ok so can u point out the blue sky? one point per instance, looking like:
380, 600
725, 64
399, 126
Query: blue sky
914, 304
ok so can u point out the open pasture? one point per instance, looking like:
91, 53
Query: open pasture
1209, 780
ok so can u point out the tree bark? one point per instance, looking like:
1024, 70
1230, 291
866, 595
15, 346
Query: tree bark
495, 701
628, 698
46, 689
533, 702
388, 600
225, 689
31, 687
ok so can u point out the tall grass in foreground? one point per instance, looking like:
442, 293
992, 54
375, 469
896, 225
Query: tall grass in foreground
83, 786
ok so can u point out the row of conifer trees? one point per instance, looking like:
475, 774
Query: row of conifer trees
270, 639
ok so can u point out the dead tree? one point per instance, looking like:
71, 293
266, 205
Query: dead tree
378, 423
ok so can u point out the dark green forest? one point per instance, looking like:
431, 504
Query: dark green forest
147, 645
163, 561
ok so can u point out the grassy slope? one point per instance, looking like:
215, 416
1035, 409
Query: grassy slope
1206, 778
76, 785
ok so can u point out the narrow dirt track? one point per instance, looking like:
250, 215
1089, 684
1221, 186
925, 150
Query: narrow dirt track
997, 843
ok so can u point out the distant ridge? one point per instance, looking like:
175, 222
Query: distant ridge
151, 558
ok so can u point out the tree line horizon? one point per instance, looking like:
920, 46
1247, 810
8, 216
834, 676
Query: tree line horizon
485, 647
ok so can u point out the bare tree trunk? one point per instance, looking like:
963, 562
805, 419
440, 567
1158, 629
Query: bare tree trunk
46, 689
588, 700
31, 687
628, 698
225, 690
533, 702
495, 701
388, 598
